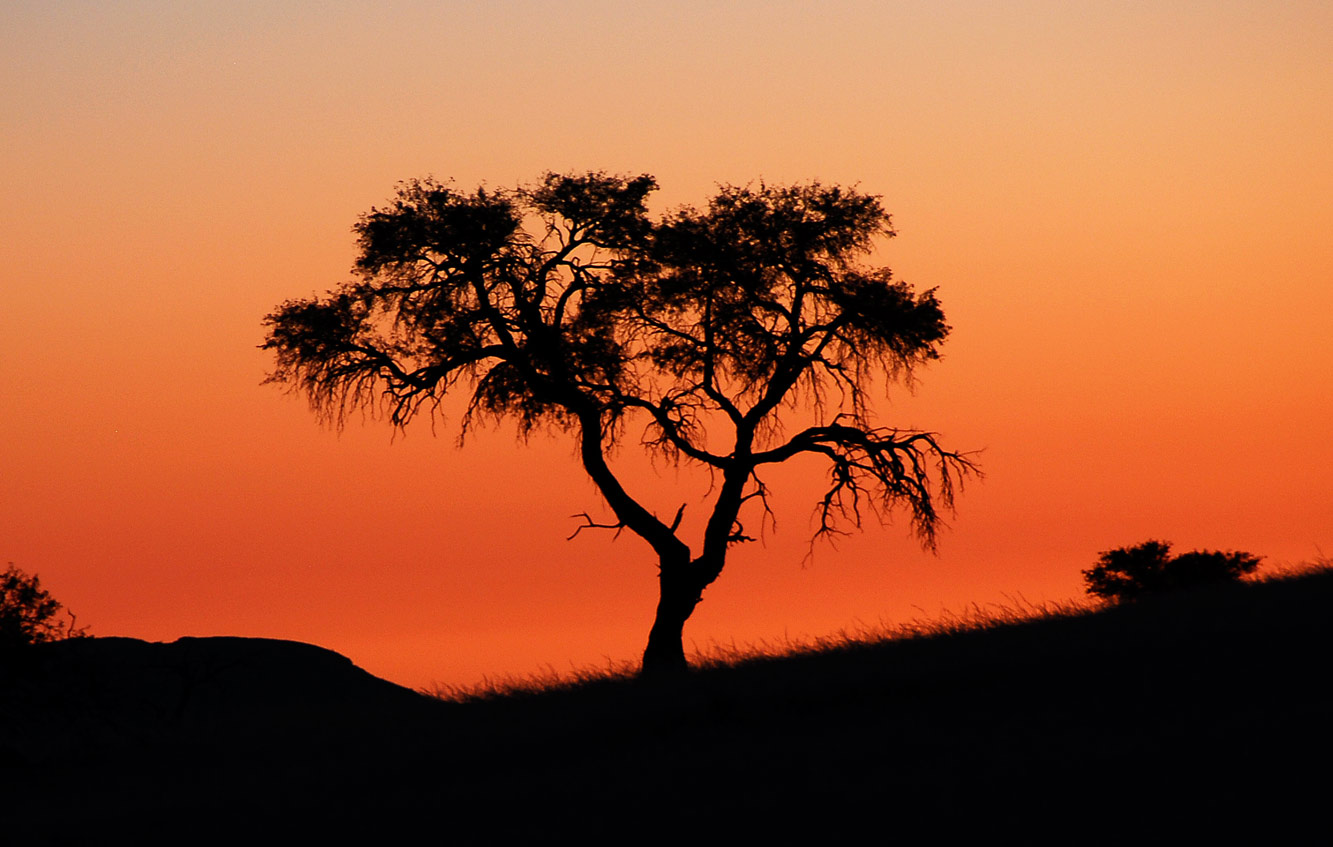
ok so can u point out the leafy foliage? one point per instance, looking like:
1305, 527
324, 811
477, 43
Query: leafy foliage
1128, 573
28, 613
734, 310
565, 305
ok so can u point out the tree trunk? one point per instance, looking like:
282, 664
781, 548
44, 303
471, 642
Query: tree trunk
680, 593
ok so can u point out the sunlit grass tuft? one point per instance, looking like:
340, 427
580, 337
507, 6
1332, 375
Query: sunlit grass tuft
546, 681
714, 656
971, 619
1319, 563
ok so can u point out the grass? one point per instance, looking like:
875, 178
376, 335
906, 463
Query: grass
717, 657
1189, 717
1319, 563
1198, 708
547, 680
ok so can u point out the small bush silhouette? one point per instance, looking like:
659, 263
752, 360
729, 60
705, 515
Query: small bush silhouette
1128, 573
28, 614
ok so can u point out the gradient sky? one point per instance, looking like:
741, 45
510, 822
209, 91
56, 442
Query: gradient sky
1126, 207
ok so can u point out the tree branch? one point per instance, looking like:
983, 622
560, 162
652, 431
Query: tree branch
618, 526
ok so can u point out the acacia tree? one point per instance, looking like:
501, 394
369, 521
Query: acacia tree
1129, 573
564, 304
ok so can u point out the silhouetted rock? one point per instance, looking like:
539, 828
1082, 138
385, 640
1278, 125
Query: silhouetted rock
79, 696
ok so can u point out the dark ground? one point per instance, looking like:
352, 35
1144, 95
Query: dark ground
1201, 716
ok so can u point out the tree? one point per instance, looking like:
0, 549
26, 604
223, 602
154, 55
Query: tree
565, 305
28, 613
1128, 573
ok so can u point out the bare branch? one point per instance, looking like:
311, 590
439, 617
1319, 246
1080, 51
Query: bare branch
738, 535
589, 523
675, 522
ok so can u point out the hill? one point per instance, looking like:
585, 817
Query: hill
1194, 715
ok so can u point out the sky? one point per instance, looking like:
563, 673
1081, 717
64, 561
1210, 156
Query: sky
1125, 208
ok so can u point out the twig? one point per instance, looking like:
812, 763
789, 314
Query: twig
619, 527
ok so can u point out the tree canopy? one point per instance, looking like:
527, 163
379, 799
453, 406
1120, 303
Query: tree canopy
565, 304
1129, 573
28, 612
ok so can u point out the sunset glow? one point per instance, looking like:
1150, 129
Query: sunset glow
1125, 208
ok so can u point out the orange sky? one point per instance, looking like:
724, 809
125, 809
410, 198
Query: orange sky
1126, 208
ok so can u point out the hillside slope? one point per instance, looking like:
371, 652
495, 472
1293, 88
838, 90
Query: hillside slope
1202, 713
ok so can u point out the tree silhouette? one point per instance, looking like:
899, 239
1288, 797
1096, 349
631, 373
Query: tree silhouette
28, 613
564, 305
1128, 573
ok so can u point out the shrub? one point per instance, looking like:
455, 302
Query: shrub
1128, 573
28, 614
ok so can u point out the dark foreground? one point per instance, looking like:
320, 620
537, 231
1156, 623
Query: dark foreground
1197, 716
